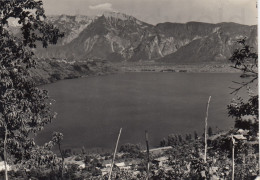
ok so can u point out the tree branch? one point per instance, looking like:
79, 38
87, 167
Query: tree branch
243, 85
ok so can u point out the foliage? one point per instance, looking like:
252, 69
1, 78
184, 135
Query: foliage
130, 150
189, 164
24, 108
188, 137
174, 139
184, 161
245, 112
196, 135
210, 131
245, 59
163, 142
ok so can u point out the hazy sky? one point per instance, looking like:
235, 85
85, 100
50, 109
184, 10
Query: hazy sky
156, 11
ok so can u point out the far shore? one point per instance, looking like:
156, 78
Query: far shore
178, 68
54, 70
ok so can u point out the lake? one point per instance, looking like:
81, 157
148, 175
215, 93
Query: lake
91, 110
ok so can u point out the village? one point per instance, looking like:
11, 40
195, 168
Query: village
178, 159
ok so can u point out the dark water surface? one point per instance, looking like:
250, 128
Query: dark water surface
91, 110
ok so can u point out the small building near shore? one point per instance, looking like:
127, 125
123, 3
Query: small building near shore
122, 166
2, 166
160, 161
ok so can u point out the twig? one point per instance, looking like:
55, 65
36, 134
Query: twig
247, 69
238, 82
243, 85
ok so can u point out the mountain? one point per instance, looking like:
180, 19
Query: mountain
70, 25
217, 45
118, 37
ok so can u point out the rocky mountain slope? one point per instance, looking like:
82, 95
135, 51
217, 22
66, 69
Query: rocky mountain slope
119, 37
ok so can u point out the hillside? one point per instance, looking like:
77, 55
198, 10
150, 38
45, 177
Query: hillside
49, 71
119, 37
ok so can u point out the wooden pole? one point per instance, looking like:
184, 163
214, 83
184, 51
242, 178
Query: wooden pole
114, 156
5, 153
233, 157
148, 156
205, 132
62, 158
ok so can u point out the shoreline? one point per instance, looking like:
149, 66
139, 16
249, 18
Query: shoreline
178, 68
53, 71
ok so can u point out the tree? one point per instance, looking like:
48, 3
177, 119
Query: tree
245, 112
172, 140
180, 138
133, 149
163, 142
245, 59
24, 108
196, 135
83, 150
210, 131
56, 139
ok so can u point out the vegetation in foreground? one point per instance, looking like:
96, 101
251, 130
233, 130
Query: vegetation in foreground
180, 158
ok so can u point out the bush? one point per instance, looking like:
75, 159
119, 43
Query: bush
130, 148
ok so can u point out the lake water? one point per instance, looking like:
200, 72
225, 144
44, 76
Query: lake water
92, 110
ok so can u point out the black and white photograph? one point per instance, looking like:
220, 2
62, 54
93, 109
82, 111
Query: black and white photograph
129, 90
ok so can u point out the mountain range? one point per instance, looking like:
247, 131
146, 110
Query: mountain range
114, 36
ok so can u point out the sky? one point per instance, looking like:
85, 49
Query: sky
158, 11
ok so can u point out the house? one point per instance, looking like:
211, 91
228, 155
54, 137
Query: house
125, 168
105, 171
80, 164
71, 160
2, 166
239, 137
243, 132
257, 178
119, 166
108, 165
122, 166
160, 161
135, 173
213, 170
